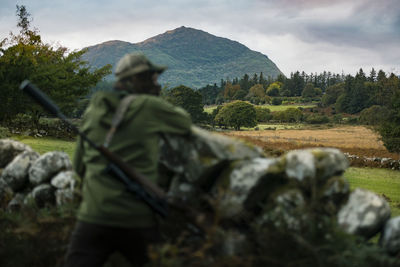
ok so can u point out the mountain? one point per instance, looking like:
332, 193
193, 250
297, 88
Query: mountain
194, 58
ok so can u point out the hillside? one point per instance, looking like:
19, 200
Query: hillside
194, 58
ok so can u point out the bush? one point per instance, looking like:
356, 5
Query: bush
263, 114
317, 119
276, 101
4, 132
374, 115
289, 115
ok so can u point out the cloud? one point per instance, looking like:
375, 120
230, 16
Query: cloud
296, 34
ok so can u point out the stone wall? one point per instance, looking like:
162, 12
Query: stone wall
29, 178
230, 185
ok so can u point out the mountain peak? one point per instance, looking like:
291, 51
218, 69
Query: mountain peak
194, 57
178, 33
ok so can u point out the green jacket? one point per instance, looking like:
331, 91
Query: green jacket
105, 199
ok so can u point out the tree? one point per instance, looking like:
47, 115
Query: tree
308, 91
274, 88
188, 99
257, 91
60, 74
230, 90
332, 93
390, 128
237, 114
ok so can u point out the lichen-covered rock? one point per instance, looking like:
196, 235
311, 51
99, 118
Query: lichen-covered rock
286, 210
196, 156
47, 166
64, 196
309, 164
43, 195
364, 214
6, 193
16, 173
64, 179
16, 203
244, 186
390, 237
9, 149
334, 193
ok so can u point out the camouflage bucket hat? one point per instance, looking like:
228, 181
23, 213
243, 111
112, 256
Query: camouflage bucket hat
132, 64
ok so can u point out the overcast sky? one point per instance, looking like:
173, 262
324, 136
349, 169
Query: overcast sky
309, 35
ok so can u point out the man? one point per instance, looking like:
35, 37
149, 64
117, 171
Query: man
110, 218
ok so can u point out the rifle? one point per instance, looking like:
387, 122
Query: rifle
135, 182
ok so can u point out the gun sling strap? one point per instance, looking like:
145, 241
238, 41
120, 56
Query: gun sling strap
118, 116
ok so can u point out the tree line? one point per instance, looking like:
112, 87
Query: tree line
260, 90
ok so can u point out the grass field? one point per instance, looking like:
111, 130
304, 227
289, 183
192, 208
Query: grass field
209, 109
357, 140
381, 181
43, 145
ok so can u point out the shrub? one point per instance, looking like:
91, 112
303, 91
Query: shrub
4, 132
317, 119
374, 115
276, 101
263, 114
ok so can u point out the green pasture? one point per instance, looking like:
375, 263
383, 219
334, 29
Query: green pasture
272, 108
381, 181
43, 145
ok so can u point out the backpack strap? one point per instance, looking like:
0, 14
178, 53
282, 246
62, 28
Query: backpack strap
118, 116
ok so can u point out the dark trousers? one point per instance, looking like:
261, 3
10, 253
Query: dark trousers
91, 244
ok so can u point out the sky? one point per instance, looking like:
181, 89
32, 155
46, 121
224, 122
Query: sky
305, 35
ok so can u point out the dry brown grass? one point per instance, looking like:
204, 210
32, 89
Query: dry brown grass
357, 140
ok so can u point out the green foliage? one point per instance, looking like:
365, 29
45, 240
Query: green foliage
4, 132
276, 101
188, 99
59, 73
331, 94
263, 114
317, 119
210, 93
239, 95
230, 90
390, 128
288, 115
237, 114
257, 91
274, 88
308, 91
374, 115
